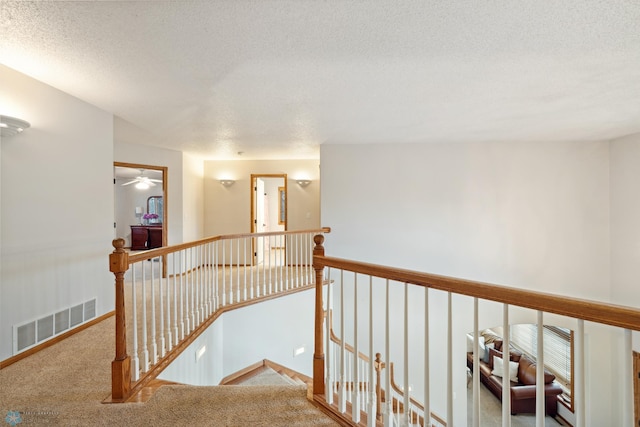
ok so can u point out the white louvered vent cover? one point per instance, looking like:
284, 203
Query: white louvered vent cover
36, 331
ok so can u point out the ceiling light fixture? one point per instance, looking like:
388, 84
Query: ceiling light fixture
10, 126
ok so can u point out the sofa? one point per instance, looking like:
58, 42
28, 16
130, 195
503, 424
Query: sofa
523, 372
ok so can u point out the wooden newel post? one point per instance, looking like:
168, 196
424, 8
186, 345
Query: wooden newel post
121, 365
378, 366
318, 355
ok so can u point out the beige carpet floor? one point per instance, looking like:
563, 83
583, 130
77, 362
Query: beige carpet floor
66, 383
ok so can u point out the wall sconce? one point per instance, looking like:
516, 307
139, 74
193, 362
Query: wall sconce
303, 182
10, 126
227, 182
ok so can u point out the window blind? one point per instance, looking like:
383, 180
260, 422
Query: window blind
557, 349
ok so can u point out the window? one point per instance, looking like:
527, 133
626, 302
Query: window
558, 351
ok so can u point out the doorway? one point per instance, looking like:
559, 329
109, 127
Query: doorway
268, 214
140, 195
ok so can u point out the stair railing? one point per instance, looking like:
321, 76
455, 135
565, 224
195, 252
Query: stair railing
369, 388
356, 282
166, 297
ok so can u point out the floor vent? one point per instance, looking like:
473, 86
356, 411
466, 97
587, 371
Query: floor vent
36, 331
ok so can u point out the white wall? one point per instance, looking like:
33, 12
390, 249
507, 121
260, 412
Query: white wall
57, 204
625, 227
206, 370
625, 220
193, 198
240, 338
530, 215
228, 209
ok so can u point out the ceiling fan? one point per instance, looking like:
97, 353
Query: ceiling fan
143, 182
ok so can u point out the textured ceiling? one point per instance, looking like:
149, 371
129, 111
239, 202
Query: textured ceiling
274, 79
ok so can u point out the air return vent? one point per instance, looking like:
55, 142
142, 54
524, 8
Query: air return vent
31, 333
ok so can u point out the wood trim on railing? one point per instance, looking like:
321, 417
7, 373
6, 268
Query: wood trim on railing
153, 253
593, 311
318, 352
162, 363
119, 261
121, 365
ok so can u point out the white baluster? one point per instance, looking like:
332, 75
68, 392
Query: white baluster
310, 275
145, 350
182, 297
187, 293
427, 364
355, 391
342, 394
299, 263
268, 249
135, 361
264, 271
506, 357
162, 308
328, 360
540, 400
387, 408
192, 288
250, 295
238, 299
175, 300
206, 251
278, 258
450, 420
252, 292
296, 266
224, 273
201, 284
476, 364
287, 262
216, 276
154, 345
231, 300
371, 408
407, 389
193, 277
579, 371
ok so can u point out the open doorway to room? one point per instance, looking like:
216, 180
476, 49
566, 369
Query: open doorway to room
140, 194
268, 214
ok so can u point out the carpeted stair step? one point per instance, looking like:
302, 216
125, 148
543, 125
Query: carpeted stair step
294, 380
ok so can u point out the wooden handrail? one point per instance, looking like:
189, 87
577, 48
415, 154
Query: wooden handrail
153, 253
619, 316
594, 311
119, 262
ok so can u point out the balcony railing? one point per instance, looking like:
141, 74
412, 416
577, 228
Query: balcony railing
166, 297
402, 314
